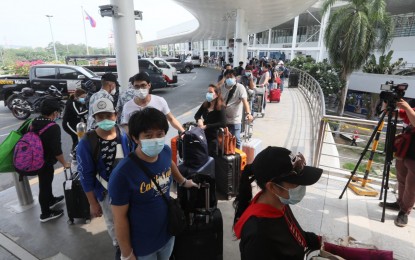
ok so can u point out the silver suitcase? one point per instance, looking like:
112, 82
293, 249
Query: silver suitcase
251, 146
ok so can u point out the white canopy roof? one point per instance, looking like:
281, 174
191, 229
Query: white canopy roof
217, 18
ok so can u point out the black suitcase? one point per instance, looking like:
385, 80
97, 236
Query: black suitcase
227, 172
77, 204
203, 237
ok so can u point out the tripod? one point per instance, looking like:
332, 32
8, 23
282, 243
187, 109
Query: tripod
390, 137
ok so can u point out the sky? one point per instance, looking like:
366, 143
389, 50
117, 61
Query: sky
24, 22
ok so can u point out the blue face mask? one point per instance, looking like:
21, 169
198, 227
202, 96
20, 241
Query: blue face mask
152, 147
106, 124
248, 74
295, 195
209, 97
230, 82
81, 100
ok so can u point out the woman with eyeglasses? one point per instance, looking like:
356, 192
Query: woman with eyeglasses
265, 224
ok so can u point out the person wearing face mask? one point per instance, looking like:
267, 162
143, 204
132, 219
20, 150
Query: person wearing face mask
248, 81
108, 90
52, 148
140, 212
75, 112
236, 102
265, 224
143, 98
97, 154
211, 116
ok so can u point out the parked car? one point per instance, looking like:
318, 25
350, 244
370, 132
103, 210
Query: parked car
195, 60
66, 78
156, 75
168, 70
180, 65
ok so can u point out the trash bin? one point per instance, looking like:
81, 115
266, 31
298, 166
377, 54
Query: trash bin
293, 80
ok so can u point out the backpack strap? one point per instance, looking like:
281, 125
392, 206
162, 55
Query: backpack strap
231, 94
46, 128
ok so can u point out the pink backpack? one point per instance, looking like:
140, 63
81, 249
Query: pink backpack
28, 157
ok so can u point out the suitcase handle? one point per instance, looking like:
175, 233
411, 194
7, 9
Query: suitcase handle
249, 127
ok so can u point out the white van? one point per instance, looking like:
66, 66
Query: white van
167, 69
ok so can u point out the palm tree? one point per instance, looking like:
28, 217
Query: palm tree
353, 31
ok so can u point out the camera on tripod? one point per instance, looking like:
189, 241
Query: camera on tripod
392, 93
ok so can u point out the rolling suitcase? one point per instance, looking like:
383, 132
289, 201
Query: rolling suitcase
227, 172
251, 146
275, 95
77, 204
203, 237
259, 100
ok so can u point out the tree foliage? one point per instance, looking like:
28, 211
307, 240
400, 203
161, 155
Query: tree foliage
325, 74
384, 66
10, 57
353, 32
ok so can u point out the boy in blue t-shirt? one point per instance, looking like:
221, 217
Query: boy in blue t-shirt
140, 213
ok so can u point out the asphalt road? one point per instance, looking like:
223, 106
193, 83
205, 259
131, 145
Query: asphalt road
188, 93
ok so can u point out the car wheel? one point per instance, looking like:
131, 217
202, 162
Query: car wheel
187, 69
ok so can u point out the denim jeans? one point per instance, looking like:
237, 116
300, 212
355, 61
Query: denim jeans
282, 84
109, 219
236, 131
161, 254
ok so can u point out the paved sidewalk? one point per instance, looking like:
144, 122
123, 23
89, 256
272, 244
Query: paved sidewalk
287, 124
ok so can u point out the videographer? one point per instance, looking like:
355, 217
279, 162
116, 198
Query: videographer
405, 168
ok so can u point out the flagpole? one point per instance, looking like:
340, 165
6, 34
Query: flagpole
86, 40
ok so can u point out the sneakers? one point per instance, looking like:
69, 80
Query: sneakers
402, 219
56, 201
391, 205
52, 215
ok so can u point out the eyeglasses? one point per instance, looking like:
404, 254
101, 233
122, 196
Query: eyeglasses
142, 86
298, 163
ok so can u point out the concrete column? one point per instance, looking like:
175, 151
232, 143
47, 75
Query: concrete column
226, 51
294, 42
321, 45
240, 36
208, 47
125, 41
269, 42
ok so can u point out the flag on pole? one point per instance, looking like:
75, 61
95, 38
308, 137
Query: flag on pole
91, 20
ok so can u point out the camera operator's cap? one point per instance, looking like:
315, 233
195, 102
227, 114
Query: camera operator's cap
102, 105
279, 164
280, 62
109, 77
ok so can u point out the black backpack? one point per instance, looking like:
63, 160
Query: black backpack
194, 148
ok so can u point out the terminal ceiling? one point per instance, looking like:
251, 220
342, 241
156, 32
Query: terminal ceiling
217, 18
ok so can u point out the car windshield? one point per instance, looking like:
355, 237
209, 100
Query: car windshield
87, 72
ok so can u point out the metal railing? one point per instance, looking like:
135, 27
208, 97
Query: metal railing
342, 129
315, 98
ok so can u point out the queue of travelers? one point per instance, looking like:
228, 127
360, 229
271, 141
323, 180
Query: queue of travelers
126, 141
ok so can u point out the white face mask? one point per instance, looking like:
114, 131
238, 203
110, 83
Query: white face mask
141, 93
113, 91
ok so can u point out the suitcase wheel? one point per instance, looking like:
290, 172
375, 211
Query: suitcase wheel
262, 114
87, 221
70, 221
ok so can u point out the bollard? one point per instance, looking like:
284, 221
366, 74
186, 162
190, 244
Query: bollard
24, 193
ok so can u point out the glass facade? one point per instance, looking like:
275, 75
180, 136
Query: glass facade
404, 25
262, 37
285, 35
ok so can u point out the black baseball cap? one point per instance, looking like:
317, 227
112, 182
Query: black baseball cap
278, 164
